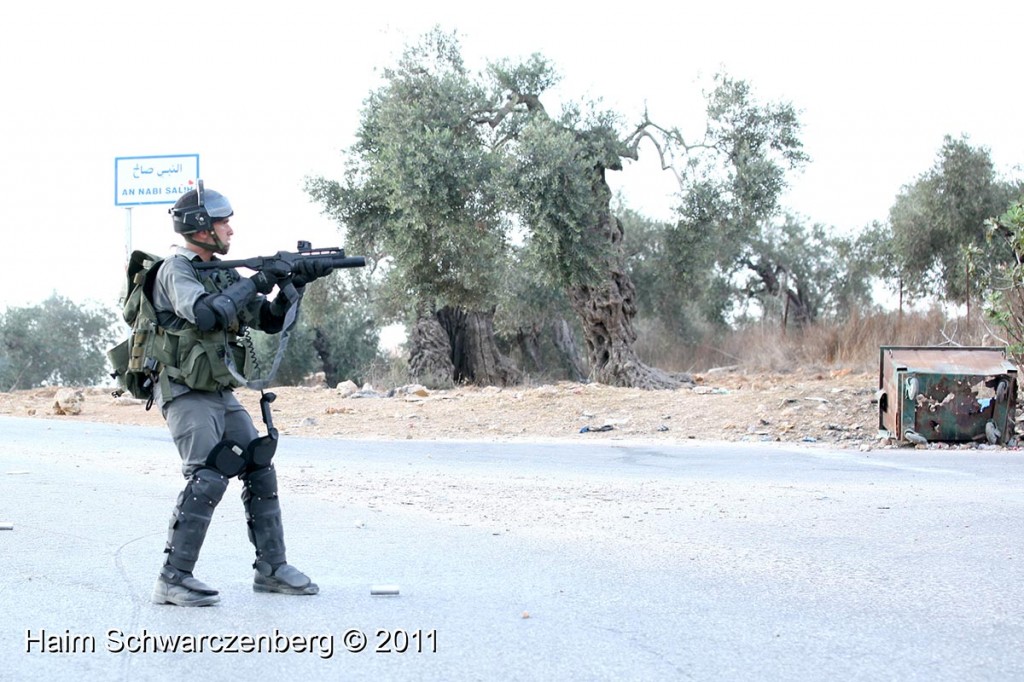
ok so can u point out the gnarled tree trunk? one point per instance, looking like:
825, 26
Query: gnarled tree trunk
475, 355
568, 349
322, 346
606, 310
606, 313
775, 281
528, 342
430, 354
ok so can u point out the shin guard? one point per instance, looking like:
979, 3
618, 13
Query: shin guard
192, 516
263, 513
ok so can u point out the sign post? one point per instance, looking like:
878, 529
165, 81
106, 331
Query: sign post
127, 233
144, 180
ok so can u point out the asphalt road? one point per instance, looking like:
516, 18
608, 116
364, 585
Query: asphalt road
521, 562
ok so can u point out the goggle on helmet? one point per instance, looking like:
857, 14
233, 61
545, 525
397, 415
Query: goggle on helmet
211, 206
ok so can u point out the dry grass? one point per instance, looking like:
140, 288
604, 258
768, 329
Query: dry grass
852, 344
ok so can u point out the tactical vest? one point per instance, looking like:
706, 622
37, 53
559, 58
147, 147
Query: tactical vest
195, 358
163, 347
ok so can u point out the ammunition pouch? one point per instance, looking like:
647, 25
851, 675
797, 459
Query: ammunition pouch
200, 363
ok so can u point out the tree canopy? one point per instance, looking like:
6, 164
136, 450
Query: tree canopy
54, 343
938, 237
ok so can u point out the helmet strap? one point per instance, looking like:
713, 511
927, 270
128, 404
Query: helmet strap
222, 248
217, 246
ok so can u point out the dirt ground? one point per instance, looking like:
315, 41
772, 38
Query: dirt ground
833, 408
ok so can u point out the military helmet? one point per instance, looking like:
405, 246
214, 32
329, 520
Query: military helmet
197, 210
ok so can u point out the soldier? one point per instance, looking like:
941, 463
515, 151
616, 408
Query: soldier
201, 314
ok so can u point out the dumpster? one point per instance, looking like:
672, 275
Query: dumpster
951, 394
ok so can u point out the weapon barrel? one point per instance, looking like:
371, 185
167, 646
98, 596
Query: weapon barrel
348, 262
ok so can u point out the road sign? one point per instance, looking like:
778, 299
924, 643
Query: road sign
140, 180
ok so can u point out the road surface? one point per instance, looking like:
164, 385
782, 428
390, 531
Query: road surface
521, 562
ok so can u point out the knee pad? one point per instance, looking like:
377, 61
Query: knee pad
260, 452
203, 491
228, 458
207, 486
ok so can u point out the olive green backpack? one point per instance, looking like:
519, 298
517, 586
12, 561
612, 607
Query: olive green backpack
135, 367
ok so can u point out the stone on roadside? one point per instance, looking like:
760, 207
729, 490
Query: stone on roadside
346, 388
68, 401
414, 389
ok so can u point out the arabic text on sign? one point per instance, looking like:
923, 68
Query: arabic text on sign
138, 171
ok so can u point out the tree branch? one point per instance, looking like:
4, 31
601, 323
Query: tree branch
494, 117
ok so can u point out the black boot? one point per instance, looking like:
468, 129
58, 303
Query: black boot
182, 589
189, 523
266, 532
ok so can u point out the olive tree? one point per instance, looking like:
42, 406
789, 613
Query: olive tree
55, 342
937, 237
731, 227
419, 193
446, 162
1005, 301
563, 197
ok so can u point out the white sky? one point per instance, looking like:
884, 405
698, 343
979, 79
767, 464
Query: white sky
268, 94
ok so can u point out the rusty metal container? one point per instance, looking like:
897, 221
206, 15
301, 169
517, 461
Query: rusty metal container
946, 393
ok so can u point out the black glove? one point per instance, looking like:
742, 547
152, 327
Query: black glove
306, 271
264, 281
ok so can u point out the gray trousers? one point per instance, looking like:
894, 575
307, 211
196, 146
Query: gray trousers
198, 420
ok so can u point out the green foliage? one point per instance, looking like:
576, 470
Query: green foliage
729, 225
733, 179
830, 275
441, 160
532, 77
446, 164
646, 247
729, 193
529, 295
557, 179
530, 307
470, 194
419, 190
54, 343
1005, 301
298, 362
940, 217
340, 310
337, 333
847, 264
